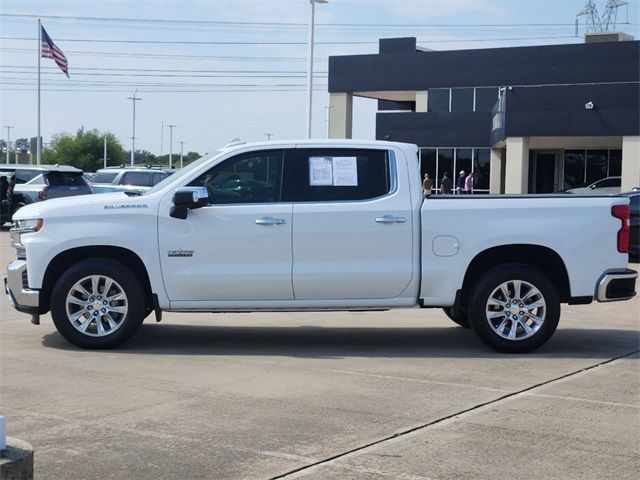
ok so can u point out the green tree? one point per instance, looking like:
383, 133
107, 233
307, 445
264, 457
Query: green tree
22, 144
145, 157
84, 150
190, 157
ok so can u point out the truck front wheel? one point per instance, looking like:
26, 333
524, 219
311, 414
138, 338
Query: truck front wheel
98, 303
514, 308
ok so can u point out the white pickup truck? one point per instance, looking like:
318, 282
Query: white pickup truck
316, 225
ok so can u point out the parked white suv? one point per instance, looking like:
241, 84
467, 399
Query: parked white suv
316, 225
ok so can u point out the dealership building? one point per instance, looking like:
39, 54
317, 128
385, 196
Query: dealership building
535, 119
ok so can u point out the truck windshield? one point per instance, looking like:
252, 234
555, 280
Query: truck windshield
180, 173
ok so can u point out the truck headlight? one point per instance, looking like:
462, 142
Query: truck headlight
30, 225
21, 227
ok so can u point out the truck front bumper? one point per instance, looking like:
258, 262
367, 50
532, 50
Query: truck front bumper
616, 285
20, 295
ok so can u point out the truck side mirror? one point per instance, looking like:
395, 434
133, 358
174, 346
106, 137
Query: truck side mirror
188, 198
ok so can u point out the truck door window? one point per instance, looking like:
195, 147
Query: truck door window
254, 177
341, 175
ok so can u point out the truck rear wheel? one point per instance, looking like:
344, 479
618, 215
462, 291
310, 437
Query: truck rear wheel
514, 308
98, 303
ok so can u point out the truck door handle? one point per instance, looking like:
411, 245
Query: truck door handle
270, 221
390, 219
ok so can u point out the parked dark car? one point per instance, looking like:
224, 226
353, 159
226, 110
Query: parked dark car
38, 183
133, 180
634, 219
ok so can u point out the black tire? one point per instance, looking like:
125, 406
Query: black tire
17, 206
128, 323
489, 283
461, 320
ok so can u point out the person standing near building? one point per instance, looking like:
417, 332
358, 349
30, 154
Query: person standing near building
445, 184
468, 184
460, 183
426, 185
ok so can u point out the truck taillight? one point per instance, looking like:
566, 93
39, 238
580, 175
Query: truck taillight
43, 194
622, 212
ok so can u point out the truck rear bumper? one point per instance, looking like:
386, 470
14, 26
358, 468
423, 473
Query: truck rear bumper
20, 295
616, 285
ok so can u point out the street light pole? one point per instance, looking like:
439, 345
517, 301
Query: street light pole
171, 127
310, 63
104, 152
133, 99
181, 142
8, 127
268, 135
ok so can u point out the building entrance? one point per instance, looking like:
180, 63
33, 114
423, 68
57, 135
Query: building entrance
543, 172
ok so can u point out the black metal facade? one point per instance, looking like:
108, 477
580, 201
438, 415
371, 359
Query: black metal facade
550, 86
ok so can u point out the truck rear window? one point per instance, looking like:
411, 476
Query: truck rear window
66, 179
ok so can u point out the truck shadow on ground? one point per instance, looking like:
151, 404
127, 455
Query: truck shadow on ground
336, 342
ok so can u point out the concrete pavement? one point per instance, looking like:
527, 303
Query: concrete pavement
399, 394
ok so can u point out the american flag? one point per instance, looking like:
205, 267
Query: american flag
51, 50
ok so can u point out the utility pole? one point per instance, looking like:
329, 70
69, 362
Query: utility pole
8, 127
104, 151
268, 135
134, 99
310, 63
171, 127
181, 151
161, 141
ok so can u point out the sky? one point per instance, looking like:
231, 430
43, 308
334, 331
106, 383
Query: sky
220, 69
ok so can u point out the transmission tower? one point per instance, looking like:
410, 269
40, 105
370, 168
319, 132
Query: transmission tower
610, 15
592, 20
599, 24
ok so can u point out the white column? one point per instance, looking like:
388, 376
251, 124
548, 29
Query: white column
517, 165
421, 100
630, 163
340, 123
495, 171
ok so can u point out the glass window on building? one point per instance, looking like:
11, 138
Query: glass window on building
428, 162
597, 161
486, 98
481, 165
462, 99
463, 161
438, 100
445, 164
615, 163
574, 169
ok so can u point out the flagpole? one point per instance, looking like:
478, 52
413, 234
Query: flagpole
39, 138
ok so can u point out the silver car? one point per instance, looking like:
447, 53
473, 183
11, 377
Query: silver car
606, 186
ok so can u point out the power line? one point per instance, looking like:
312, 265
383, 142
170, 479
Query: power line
195, 42
282, 24
178, 56
175, 70
187, 42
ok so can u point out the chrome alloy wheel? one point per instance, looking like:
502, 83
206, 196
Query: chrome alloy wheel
96, 305
516, 310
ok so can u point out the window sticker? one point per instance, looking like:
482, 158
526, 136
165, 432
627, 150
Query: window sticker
345, 172
320, 171
333, 171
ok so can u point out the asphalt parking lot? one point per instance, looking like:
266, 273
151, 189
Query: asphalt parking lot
402, 394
